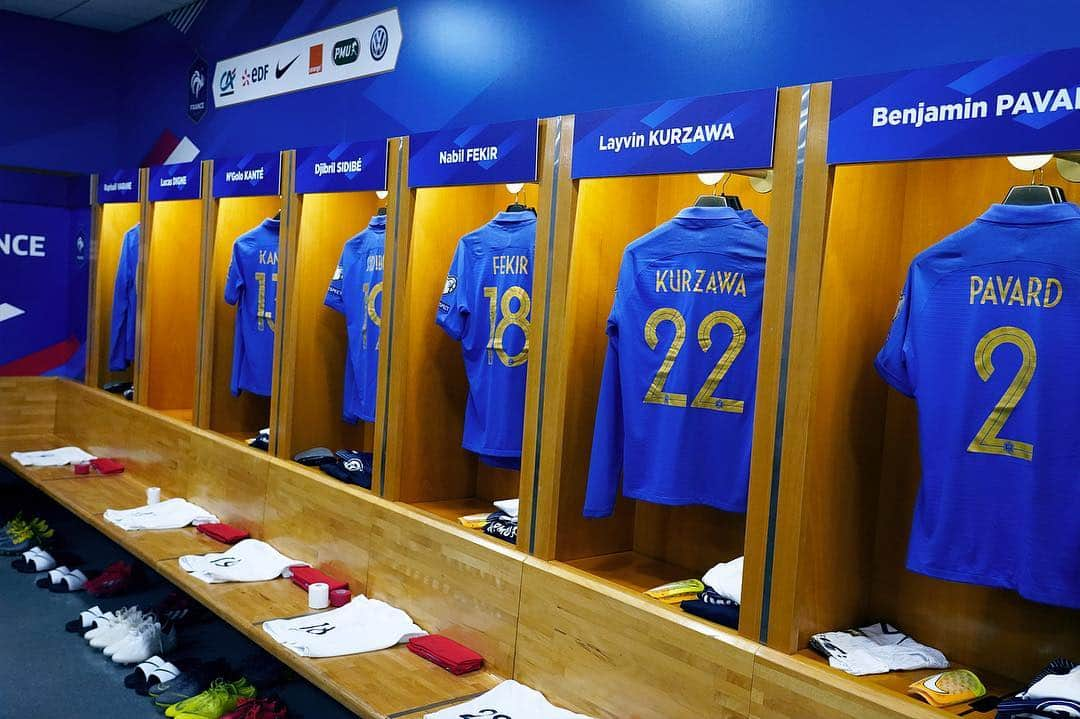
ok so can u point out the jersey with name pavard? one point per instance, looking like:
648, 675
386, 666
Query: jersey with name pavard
125, 300
486, 305
676, 409
985, 339
356, 292
251, 285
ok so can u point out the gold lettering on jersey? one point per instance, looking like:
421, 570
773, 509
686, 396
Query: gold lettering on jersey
698, 281
1015, 291
374, 263
510, 264
268, 257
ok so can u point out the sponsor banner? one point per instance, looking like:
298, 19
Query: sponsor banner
198, 87
175, 182
348, 167
695, 134
477, 155
250, 175
364, 47
119, 186
44, 288
1023, 104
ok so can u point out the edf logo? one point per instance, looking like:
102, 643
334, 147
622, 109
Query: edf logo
380, 40
254, 75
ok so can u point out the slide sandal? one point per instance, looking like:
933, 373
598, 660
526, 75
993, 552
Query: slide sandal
34, 561
69, 582
86, 621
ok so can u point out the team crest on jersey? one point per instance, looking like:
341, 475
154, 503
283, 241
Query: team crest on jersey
354, 465
451, 284
338, 274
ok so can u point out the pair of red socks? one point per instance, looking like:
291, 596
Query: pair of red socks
224, 533
448, 654
101, 464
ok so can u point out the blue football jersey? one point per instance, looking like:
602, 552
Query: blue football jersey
985, 339
486, 305
125, 301
752, 221
676, 411
251, 285
356, 292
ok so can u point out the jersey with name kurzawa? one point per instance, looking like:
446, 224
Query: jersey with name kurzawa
985, 339
252, 285
676, 409
486, 305
123, 322
356, 292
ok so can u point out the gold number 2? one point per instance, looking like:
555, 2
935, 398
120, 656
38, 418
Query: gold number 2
265, 317
704, 399
511, 318
987, 441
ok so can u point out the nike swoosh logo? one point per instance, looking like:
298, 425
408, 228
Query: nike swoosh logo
279, 70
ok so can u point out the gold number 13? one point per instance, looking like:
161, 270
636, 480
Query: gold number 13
987, 441
265, 318
704, 399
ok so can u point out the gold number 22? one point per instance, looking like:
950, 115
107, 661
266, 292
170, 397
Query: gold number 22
704, 399
987, 441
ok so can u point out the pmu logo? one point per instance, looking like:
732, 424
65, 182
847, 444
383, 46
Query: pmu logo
252, 75
380, 40
346, 51
227, 83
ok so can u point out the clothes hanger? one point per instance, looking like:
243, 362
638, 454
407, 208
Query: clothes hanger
1034, 193
277, 215
733, 200
713, 200
381, 212
518, 206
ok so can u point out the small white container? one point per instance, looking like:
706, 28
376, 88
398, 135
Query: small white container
153, 495
318, 595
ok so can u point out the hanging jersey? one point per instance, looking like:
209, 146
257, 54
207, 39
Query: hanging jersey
985, 339
248, 561
753, 222
252, 285
486, 305
125, 300
362, 625
356, 292
676, 409
510, 699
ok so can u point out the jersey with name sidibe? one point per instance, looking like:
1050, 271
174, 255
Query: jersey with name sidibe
486, 305
123, 320
356, 292
676, 409
252, 285
985, 339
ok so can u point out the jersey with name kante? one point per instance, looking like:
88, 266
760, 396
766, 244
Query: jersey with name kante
251, 285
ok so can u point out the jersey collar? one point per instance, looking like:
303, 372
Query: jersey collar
515, 218
378, 222
272, 223
1031, 214
716, 214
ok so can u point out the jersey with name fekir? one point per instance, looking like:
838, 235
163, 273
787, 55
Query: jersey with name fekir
356, 292
125, 300
985, 339
509, 700
252, 285
676, 409
486, 305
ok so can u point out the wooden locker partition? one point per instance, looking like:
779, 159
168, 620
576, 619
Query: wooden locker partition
114, 220
170, 309
237, 417
316, 343
850, 466
424, 463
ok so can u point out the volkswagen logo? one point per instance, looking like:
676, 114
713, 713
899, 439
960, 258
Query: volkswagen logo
380, 40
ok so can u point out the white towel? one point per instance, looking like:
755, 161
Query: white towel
170, 514
362, 625
248, 561
876, 649
726, 579
52, 457
509, 699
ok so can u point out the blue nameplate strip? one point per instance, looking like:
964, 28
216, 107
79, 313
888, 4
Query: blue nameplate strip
1023, 104
695, 134
118, 186
44, 188
175, 182
348, 167
248, 176
477, 155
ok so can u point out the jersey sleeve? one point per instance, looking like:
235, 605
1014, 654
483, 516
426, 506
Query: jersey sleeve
895, 360
234, 280
334, 297
453, 312
121, 309
605, 463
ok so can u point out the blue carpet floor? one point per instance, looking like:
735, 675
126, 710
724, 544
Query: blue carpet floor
47, 673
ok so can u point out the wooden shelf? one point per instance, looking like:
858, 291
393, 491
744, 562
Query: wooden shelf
184, 415
449, 510
896, 683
